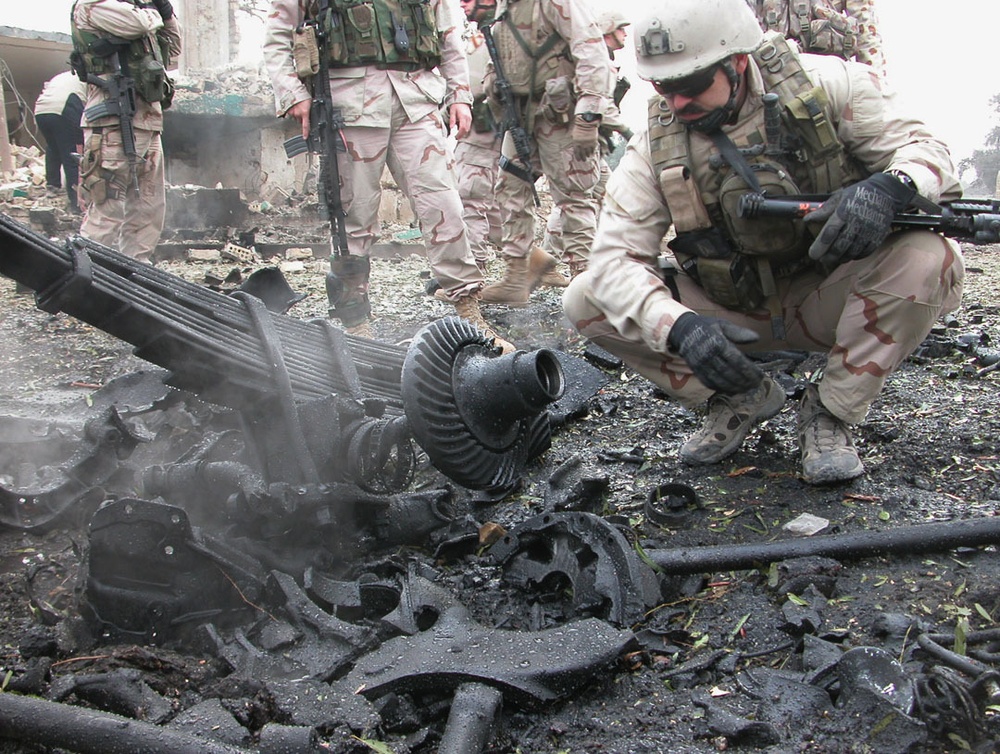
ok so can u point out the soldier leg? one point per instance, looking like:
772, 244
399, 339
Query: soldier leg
475, 187
105, 173
571, 183
870, 314
145, 213
360, 168
421, 162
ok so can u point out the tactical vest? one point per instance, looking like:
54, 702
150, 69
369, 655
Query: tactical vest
531, 52
835, 34
388, 34
142, 60
736, 260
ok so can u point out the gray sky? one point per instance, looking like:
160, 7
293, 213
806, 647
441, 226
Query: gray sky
943, 58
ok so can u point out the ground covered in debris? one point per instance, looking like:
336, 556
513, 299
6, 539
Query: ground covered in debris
799, 656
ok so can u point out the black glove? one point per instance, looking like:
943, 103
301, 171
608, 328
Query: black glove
165, 8
706, 344
858, 218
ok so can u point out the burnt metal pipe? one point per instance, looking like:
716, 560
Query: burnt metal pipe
919, 538
31, 719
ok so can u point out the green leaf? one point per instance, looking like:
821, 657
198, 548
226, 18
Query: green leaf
883, 515
378, 746
961, 634
797, 600
982, 611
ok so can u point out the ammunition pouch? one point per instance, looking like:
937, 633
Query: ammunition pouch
558, 101
347, 288
151, 82
393, 34
728, 278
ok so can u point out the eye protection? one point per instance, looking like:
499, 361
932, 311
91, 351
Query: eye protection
689, 86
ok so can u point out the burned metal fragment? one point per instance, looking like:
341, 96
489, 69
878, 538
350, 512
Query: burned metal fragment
584, 551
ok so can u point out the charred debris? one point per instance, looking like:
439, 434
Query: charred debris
289, 504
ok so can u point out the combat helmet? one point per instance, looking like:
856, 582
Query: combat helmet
678, 38
610, 20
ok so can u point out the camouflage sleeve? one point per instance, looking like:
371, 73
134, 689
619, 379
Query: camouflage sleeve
593, 78
869, 45
282, 20
171, 33
877, 133
454, 67
122, 19
626, 283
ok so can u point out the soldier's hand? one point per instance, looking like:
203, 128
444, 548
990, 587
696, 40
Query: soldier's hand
858, 218
708, 345
460, 119
300, 111
584, 135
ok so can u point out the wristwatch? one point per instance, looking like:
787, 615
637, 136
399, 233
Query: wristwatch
589, 117
903, 178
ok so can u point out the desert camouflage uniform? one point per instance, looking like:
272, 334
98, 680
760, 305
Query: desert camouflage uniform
867, 314
393, 119
477, 162
114, 215
833, 26
612, 122
583, 63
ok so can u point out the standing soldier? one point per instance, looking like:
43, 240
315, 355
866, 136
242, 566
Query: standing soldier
845, 28
122, 49
842, 282
392, 64
477, 159
556, 65
612, 24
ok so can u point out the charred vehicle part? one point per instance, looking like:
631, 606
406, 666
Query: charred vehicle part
317, 405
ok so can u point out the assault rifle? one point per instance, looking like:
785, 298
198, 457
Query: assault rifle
325, 122
512, 121
973, 220
120, 102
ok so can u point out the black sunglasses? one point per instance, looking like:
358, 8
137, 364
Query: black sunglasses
689, 86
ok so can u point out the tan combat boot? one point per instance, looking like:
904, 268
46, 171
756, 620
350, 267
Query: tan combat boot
467, 308
515, 286
542, 269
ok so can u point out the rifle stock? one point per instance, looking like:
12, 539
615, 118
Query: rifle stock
512, 120
972, 220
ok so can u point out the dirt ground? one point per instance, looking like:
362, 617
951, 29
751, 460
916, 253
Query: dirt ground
706, 669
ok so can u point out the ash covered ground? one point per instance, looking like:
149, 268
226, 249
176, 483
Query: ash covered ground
725, 660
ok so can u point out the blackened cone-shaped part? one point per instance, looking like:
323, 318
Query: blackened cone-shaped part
493, 394
479, 416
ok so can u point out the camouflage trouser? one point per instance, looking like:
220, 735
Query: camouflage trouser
553, 228
420, 159
477, 164
115, 216
868, 315
571, 184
